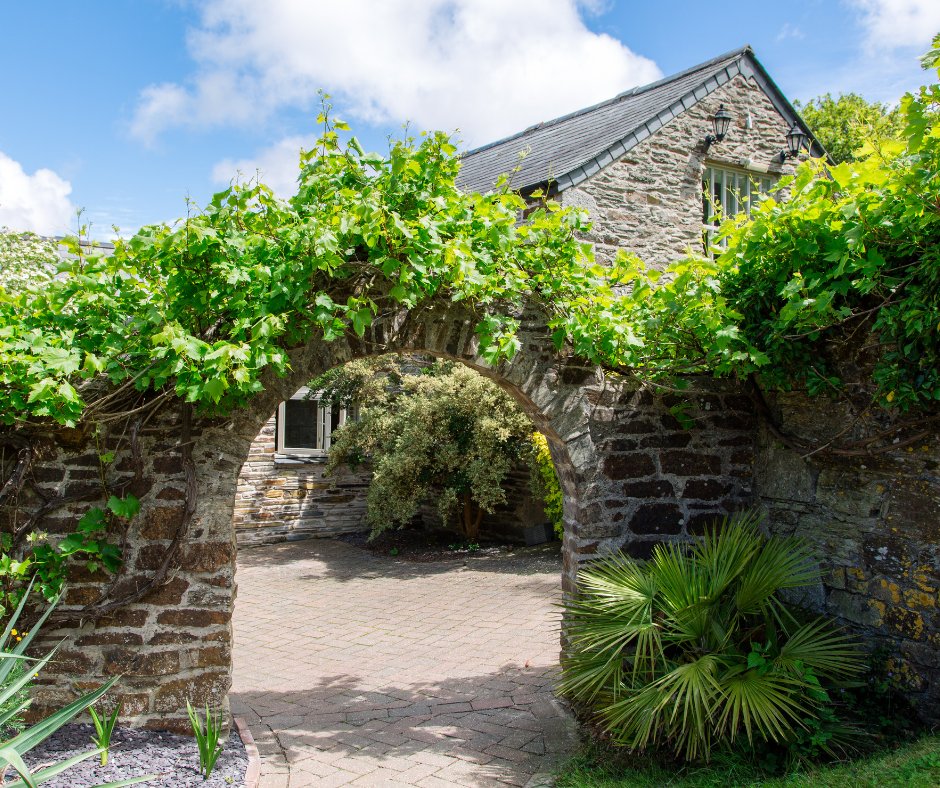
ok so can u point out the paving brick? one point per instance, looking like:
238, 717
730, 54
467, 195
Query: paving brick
354, 669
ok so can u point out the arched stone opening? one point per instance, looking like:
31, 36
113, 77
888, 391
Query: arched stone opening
293, 485
546, 385
631, 474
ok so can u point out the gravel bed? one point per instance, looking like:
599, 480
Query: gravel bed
135, 753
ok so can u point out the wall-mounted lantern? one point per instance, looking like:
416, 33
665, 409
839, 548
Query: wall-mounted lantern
796, 139
721, 122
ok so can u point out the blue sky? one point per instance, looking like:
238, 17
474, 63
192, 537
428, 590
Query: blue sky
127, 107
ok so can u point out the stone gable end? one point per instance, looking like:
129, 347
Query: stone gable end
650, 200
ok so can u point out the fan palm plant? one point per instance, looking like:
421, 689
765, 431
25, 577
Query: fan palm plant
695, 648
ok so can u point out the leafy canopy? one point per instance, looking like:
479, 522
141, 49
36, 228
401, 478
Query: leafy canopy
442, 434
846, 271
202, 309
847, 124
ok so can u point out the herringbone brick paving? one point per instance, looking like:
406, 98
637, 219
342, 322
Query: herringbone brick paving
357, 669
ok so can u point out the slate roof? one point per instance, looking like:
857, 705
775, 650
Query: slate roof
576, 146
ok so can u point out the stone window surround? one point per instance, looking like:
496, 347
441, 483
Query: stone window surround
761, 176
756, 175
300, 454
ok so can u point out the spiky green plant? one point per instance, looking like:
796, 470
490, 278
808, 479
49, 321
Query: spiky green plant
12, 654
694, 648
104, 728
207, 738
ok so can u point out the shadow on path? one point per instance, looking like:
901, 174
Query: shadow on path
358, 669
485, 730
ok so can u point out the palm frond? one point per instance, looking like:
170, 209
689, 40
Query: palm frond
728, 548
779, 564
586, 675
826, 650
685, 593
766, 705
679, 707
695, 646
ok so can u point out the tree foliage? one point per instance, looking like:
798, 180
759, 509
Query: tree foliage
26, 259
200, 310
846, 271
545, 484
849, 124
443, 434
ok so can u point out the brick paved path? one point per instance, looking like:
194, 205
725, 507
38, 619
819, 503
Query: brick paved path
355, 669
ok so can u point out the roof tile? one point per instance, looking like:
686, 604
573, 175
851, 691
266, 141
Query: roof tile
569, 145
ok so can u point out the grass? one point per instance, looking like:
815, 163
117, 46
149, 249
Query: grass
915, 765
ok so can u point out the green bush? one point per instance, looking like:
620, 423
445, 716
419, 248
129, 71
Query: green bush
695, 649
446, 435
545, 483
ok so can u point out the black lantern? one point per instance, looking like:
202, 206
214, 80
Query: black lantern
721, 122
796, 139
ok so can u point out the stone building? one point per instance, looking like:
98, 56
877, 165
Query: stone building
641, 166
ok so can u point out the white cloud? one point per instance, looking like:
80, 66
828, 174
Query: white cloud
277, 166
488, 67
893, 24
38, 202
790, 31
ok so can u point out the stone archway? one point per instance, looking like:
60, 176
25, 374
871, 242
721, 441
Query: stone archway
631, 476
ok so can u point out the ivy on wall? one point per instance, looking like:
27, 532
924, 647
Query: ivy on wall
199, 310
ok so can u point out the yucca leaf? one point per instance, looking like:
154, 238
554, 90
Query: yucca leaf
43, 729
10, 756
11, 689
44, 775
7, 666
9, 714
51, 771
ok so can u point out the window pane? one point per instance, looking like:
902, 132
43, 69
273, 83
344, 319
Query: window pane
300, 424
329, 421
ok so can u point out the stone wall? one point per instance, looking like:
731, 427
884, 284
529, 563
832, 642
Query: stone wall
608, 438
631, 475
174, 643
874, 522
287, 498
